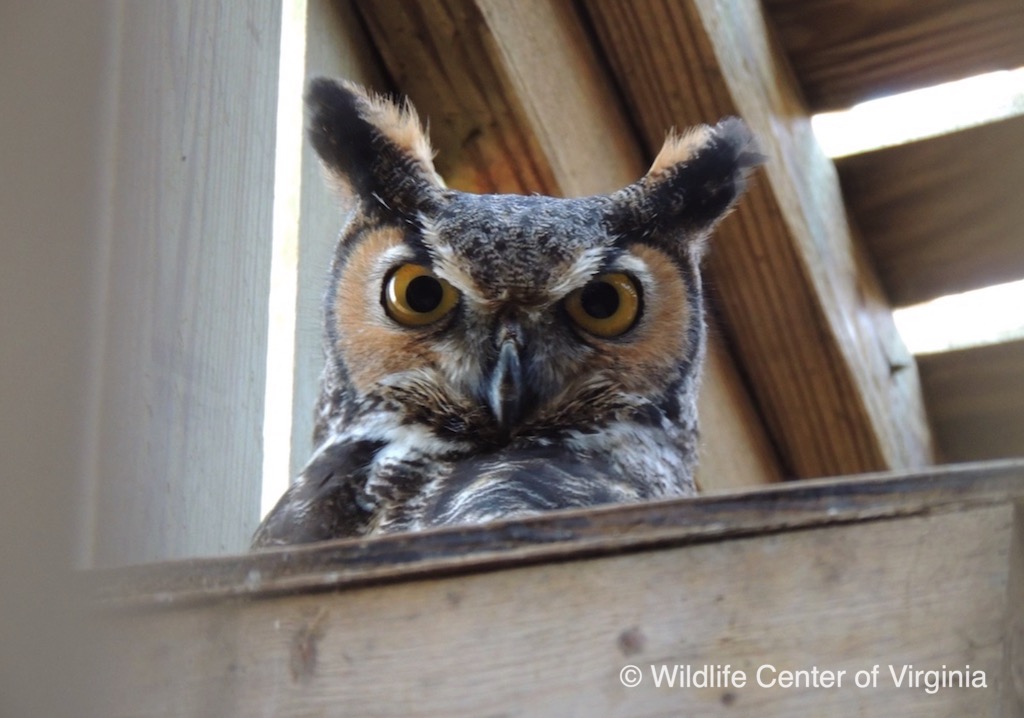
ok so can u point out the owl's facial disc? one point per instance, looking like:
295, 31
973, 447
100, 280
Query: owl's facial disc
468, 345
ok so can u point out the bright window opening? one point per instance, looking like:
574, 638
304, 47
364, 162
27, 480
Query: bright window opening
277, 413
983, 316
923, 113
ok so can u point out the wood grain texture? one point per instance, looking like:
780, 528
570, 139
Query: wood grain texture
504, 120
1013, 653
336, 46
976, 399
559, 536
551, 638
186, 302
942, 215
734, 450
441, 54
845, 52
812, 328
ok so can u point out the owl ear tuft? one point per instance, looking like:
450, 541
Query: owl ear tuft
693, 183
373, 149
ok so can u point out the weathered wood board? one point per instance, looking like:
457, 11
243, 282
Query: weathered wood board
976, 399
847, 52
942, 215
545, 616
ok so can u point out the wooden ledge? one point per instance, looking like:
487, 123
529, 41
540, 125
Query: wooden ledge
917, 572
560, 536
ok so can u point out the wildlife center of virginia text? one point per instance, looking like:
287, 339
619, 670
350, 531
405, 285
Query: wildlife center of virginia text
770, 676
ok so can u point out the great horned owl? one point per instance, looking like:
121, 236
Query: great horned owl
500, 355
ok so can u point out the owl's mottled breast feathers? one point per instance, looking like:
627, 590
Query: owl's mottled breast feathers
494, 356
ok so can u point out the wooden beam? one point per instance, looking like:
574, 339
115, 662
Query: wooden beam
540, 616
188, 217
441, 55
481, 72
846, 52
811, 325
976, 400
517, 102
942, 215
557, 536
734, 451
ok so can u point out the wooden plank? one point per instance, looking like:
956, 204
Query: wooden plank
942, 215
336, 46
846, 52
442, 49
552, 638
976, 399
734, 450
1013, 674
189, 252
562, 535
502, 121
812, 328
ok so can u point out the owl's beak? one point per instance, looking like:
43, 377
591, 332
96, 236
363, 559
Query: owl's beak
506, 389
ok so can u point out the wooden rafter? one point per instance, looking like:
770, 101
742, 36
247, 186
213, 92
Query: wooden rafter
976, 400
845, 52
942, 215
802, 306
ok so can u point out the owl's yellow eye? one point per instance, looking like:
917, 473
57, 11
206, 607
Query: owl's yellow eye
607, 306
414, 297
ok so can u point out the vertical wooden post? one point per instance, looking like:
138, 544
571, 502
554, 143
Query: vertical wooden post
189, 217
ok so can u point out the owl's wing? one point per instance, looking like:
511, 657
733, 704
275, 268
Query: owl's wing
325, 502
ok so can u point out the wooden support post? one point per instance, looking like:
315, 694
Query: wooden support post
188, 222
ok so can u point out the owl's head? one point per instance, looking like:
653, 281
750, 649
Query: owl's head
490, 317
